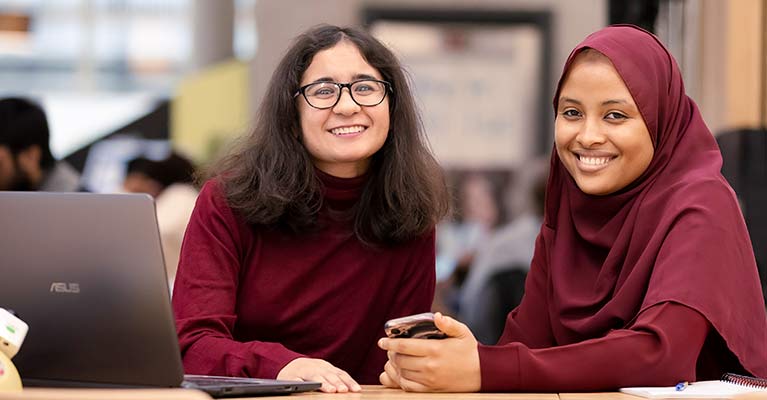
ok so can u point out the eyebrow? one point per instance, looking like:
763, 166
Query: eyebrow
604, 103
356, 77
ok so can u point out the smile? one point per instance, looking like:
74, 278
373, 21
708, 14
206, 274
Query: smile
348, 130
592, 164
595, 160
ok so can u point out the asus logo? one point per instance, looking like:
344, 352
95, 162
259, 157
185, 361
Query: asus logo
65, 287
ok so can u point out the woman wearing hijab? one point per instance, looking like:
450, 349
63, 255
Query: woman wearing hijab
643, 272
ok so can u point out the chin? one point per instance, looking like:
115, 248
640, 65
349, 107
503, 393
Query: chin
353, 157
348, 160
594, 190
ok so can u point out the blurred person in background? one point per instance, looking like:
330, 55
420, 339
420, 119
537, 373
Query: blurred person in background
477, 214
171, 183
26, 162
319, 228
643, 272
494, 282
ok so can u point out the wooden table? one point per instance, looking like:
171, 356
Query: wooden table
369, 392
375, 392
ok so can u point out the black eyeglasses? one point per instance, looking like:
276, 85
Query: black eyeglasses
364, 92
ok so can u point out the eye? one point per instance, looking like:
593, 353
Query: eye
571, 113
365, 88
322, 90
614, 115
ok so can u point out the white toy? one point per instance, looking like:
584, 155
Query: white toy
12, 333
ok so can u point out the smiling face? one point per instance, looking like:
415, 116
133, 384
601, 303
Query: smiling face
342, 139
601, 138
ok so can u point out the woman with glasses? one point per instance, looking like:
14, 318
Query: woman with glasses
316, 229
643, 272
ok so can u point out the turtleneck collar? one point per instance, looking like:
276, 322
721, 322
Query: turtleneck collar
342, 190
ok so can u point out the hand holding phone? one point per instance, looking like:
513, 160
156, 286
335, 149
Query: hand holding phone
418, 326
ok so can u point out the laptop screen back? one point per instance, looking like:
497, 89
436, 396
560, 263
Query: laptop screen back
86, 272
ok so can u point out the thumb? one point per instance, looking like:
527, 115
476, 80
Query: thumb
450, 326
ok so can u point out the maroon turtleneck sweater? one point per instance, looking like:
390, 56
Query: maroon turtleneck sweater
248, 300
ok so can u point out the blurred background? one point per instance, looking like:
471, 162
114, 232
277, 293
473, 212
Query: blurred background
127, 79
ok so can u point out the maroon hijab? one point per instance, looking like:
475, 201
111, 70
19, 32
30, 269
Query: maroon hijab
676, 234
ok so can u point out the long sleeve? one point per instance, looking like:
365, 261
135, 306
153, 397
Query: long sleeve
660, 348
248, 300
205, 298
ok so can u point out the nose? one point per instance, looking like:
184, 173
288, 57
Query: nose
345, 104
590, 133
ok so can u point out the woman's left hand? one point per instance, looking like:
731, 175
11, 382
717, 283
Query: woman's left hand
434, 365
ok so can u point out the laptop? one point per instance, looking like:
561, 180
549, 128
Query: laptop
86, 272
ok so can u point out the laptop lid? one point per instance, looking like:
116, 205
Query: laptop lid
85, 271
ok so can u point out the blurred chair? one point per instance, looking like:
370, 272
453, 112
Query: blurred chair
744, 155
504, 293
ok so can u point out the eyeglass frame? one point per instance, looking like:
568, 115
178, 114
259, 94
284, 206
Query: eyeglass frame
302, 91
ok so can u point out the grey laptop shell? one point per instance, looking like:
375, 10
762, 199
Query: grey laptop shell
86, 272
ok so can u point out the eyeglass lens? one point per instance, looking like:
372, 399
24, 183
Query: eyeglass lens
326, 94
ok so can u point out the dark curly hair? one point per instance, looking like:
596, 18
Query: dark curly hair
269, 177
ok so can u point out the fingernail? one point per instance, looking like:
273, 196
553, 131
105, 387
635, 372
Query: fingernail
357, 388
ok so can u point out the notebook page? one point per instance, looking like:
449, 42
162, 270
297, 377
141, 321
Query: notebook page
700, 390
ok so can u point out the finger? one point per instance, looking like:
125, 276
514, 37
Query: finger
412, 386
391, 355
390, 376
450, 326
332, 378
349, 381
425, 379
395, 373
391, 370
326, 387
387, 381
413, 347
404, 361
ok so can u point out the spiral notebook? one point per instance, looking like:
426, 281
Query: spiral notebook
728, 387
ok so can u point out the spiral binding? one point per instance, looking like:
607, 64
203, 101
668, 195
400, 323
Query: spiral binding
748, 381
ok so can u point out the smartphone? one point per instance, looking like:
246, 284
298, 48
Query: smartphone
418, 326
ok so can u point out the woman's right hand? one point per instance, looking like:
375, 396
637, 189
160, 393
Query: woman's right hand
314, 369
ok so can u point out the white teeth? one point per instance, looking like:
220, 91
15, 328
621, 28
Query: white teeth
346, 130
595, 160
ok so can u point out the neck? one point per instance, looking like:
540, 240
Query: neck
345, 170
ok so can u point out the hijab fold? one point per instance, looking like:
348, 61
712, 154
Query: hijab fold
676, 234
